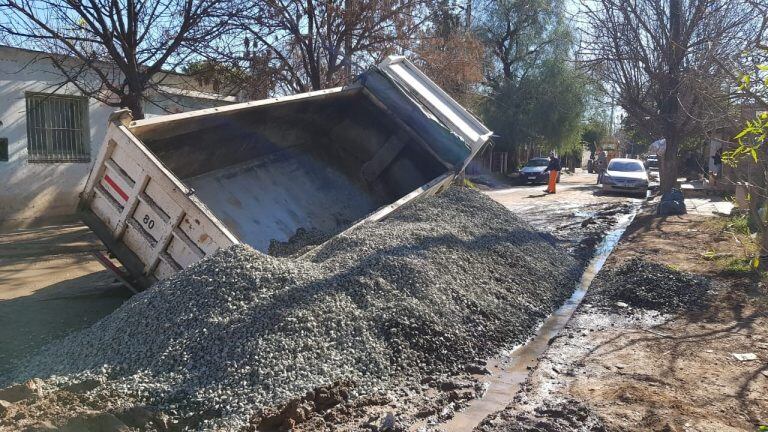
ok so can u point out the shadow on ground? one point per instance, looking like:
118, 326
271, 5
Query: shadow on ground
29, 322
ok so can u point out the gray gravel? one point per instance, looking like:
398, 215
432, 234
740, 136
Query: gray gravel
299, 243
445, 281
643, 284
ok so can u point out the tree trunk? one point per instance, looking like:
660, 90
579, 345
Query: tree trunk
468, 16
134, 102
668, 169
670, 106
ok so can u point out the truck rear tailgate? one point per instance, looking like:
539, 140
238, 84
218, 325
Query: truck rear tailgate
145, 216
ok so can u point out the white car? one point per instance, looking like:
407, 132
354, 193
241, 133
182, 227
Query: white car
626, 175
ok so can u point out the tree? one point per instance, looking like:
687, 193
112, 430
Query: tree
450, 54
535, 99
594, 132
542, 111
253, 77
661, 57
519, 33
113, 51
319, 44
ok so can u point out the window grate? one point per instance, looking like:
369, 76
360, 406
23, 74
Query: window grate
57, 128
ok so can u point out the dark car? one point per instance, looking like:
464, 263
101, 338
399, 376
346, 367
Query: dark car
535, 171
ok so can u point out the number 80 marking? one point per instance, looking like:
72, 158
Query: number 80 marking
148, 222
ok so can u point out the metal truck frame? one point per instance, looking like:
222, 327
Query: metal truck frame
161, 192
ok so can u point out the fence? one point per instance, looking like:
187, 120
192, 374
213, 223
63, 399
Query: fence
489, 162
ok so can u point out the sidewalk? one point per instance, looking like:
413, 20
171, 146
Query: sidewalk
50, 285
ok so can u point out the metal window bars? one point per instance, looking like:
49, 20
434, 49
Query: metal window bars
57, 128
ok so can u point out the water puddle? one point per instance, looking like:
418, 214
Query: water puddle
510, 369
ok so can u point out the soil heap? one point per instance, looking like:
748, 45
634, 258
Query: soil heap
444, 281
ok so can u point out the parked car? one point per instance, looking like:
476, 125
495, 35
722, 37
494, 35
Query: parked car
652, 166
652, 162
626, 175
535, 171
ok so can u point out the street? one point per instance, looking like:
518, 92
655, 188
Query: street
587, 368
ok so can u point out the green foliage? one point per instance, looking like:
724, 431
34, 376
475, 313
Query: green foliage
468, 184
738, 266
750, 139
594, 131
634, 133
520, 34
739, 224
544, 108
219, 76
754, 134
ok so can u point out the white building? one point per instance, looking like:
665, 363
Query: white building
50, 133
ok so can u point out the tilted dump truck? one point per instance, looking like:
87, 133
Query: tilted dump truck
165, 192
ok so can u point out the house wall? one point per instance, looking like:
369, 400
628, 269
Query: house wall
42, 190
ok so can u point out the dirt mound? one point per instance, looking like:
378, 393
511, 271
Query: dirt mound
643, 284
446, 280
299, 410
562, 415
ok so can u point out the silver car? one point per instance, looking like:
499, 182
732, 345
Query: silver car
626, 175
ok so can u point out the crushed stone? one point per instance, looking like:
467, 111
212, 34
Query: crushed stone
299, 243
443, 281
643, 284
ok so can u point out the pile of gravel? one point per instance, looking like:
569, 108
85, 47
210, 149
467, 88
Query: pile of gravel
647, 285
446, 280
299, 243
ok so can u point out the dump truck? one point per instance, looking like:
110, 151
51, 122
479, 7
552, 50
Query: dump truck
166, 191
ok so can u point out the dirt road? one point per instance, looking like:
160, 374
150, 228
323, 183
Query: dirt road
628, 368
50, 285
577, 216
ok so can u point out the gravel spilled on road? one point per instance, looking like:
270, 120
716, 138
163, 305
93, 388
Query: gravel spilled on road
444, 281
647, 285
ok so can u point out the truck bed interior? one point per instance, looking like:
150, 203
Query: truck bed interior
320, 162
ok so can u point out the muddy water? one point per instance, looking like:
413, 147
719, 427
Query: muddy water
510, 369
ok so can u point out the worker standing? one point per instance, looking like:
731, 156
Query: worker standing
717, 160
554, 170
600, 165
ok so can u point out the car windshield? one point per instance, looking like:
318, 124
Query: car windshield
537, 163
625, 166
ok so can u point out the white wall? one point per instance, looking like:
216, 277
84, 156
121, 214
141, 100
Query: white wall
37, 190
41, 190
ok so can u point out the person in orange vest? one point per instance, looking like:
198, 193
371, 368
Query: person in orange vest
554, 170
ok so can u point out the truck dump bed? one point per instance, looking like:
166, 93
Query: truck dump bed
166, 191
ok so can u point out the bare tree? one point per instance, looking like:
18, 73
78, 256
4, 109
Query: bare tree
661, 57
449, 52
319, 44
113, 51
